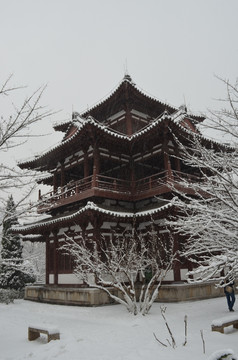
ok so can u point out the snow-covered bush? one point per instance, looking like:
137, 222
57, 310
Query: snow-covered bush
14, 272
7, 296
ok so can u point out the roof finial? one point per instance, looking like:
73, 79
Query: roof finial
184, 106
126, 75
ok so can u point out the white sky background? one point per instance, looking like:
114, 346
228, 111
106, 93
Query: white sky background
172, 49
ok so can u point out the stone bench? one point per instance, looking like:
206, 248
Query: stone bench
220, 324
35, 331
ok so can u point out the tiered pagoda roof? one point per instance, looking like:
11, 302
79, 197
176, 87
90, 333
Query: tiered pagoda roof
94, 121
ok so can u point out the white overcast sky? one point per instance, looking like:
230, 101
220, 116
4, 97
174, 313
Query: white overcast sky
80, 48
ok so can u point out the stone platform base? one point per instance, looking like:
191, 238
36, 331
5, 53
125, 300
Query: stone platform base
96, 297
186, 292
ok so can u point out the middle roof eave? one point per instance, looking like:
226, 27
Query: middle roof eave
49, 159
89, 208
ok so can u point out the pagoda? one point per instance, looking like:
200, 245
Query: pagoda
115, 163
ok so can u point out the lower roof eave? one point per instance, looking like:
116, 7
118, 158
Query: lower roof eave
38, 228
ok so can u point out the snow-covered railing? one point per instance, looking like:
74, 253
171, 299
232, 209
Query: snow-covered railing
154, 184
178, 176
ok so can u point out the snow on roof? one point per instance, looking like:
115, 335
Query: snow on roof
31, 236
125, 79
91, 206
80, 122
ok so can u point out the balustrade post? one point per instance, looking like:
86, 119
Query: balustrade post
170, 172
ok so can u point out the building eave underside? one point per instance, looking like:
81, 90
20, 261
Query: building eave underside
32, 230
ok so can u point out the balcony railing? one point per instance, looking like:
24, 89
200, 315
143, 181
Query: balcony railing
105, 186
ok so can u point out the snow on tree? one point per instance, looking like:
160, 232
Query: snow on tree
15, 128
129, 267
16, 124
34, 254
208, 219
14, 272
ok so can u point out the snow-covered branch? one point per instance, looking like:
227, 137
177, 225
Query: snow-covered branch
16, 125
208, 218
129, 267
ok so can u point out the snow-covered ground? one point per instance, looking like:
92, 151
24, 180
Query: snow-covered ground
111, 333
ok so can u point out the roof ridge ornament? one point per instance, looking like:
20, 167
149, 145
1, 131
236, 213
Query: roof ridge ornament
127, 77
183, 108
75, 115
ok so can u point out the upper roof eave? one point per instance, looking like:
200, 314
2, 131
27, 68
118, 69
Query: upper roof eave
126, 81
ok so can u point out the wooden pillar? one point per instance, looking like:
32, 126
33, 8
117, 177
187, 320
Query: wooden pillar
55, 182
132, 169
96, 165
96, 158
86, 164
97, 223
167, 164
177, 164
177, 159
62, 179
83, 224
176, 265
47, 260
129, 129
56, 258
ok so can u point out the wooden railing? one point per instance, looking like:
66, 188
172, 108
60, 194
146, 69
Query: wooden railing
72, 191
151, 182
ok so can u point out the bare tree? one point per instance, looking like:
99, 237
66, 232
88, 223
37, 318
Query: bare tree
209, 218
15, 129
120, 265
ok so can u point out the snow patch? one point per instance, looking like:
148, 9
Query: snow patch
226, 354
225, 319
52, 329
